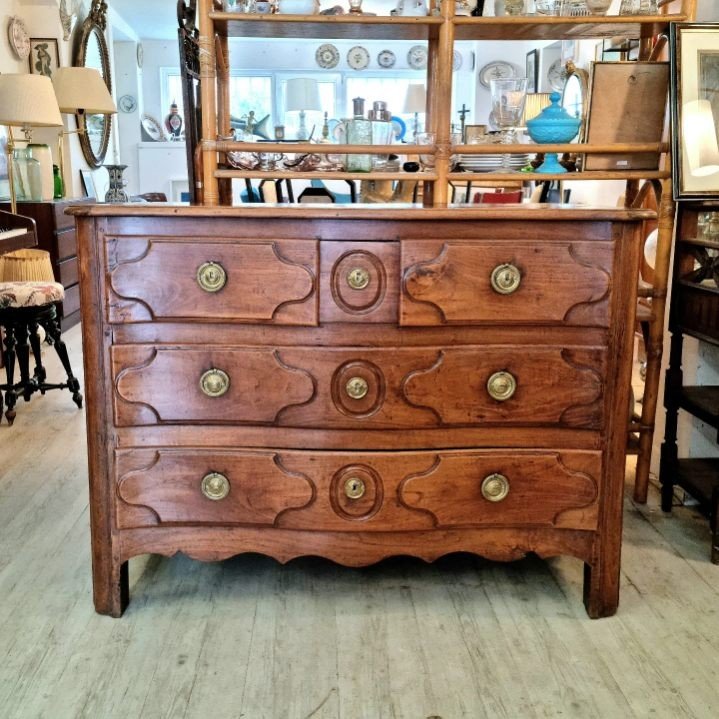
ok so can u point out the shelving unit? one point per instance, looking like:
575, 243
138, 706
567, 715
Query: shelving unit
694, 312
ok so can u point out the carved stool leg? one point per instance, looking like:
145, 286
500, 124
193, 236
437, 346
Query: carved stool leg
10, 395
52, 327
39, 373
22, 352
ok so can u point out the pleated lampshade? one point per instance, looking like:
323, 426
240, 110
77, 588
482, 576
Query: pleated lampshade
26, 266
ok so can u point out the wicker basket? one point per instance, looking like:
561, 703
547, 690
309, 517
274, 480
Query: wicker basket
26, 266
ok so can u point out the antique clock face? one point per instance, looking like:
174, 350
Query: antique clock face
358, 57
497, 70
386, 58
19, 37
327, 56
417, 57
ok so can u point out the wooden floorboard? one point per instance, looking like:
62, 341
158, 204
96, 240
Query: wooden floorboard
248, 638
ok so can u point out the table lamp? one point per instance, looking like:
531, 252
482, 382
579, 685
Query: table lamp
415, 102
26, 101
80, 91
701, 139
534, 103
302, 94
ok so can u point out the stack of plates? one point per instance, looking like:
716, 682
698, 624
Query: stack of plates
490, 163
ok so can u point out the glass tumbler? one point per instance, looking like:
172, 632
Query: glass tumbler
426, 138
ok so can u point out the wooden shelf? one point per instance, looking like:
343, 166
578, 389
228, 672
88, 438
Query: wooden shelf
568, 177
337, 27
562, 28
702, 402
318, 175
701, 242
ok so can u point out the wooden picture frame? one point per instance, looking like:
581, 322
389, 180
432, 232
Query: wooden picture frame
473, 132
88, 184
695, 110
532, 70
44, 56
627, 104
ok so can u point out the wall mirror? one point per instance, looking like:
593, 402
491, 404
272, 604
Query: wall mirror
575, 96
91, 51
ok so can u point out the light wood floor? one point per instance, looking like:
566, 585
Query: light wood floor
249, 638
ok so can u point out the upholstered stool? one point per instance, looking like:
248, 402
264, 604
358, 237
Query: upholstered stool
24, 307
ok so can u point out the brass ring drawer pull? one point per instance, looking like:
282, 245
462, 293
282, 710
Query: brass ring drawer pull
357, 387
211, 276
214, 382
501, 386
505, 279
354, 488
215, 486
495, 487
358, 278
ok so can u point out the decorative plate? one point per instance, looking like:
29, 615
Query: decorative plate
556, 75
399, 128
358, 57
417, 57
127, 103
386, 58
327, 56
139, 55
19, 37
497, 70
456, 60
152, 128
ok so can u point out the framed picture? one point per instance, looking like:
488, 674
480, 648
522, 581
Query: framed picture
88, 184
44, 56
472, 133
4, 178
627, 103
532, 67
695, 109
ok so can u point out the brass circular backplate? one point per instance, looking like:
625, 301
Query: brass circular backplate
215, 486
357, 387
495, 487
211, 276
354, 488
356, 492
214, 382
505, 279
501, 386
358, 278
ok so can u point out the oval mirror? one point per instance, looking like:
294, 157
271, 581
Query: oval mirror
91, 51
575, 96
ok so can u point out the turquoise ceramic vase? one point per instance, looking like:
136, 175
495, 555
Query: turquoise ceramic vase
553, 125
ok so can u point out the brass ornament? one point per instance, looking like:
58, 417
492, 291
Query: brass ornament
358, 278
501, 386
215, 486
357, 387
505, 279
354, 488
495, 487
211, 276
214, 382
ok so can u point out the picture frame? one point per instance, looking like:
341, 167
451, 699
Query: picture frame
88, 184
532, 68
473, 132
635, 114
44, 56
695, 110
4, 175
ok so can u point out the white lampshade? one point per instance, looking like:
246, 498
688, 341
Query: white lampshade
302, 94
28, 101
700, 138
534, 104
416, 99
82, 89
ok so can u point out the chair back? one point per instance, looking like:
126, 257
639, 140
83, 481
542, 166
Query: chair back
486, 198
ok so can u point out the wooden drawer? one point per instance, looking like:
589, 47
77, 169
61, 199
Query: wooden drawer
68, 272
358, 491
267, 281
359, 281
450, 282
356, 388
71, 303
66, 244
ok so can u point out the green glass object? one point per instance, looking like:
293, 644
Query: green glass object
59, 185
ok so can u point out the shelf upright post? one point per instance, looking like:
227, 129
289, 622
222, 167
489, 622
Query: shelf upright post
439, 117
224, 129
208, 94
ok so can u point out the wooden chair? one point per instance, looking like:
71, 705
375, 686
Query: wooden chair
498, 198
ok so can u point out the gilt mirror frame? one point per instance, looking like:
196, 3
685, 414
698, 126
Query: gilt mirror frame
93, 30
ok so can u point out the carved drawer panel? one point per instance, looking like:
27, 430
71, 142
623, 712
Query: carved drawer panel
358, 491
359, 281
167, 384
474, 282
353, 388
243, 281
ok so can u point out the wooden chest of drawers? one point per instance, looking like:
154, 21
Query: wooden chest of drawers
357, 384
